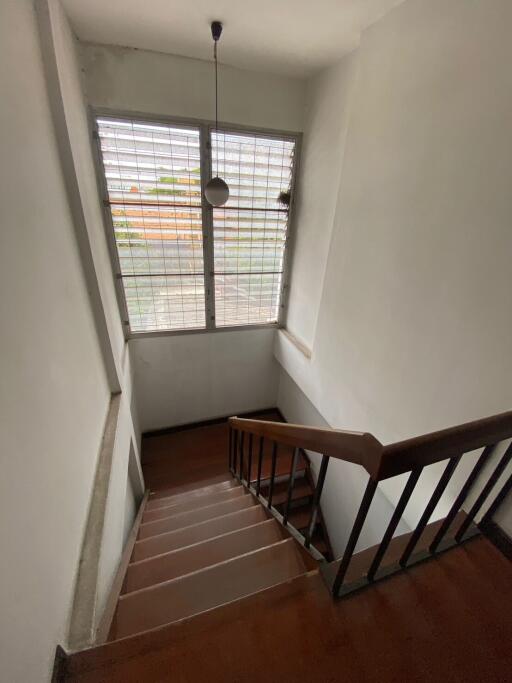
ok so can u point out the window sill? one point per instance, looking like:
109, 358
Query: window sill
203, 330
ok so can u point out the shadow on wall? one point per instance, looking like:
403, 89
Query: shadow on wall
345, 482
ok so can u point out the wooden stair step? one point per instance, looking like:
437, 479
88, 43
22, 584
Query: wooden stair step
130, 654
300, 517
302, 489
185, 560
162, 478
208, 588
319, 542
170, 496
283, 465
172, 540
184, 519
193, 503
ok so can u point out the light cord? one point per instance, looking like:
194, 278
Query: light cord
216, 86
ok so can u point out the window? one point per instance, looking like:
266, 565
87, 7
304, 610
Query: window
249, 231
153, 181
183, 264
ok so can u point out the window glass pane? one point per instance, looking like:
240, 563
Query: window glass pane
153, 180
250, 230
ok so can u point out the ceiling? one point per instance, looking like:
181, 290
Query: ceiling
291, 37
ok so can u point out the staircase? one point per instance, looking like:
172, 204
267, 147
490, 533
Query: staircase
198, 550
229, 574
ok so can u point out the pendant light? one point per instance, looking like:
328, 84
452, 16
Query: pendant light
216, 190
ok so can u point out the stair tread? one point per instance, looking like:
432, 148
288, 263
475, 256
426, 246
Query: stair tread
319, 542
185, 560
207, 588
193, 503
175, 494
302, 489
300, 517
190, 517
89, 663
180, 538
283, 464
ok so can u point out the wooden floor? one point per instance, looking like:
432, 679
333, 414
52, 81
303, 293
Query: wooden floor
181, 458
446, 620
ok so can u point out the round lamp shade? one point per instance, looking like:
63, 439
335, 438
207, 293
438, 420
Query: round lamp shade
216, 191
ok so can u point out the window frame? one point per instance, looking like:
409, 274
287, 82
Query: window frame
205, 128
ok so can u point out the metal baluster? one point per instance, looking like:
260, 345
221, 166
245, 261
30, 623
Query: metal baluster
291, 484
354, 535
500, 468
235, 450
249, 462
316, 499
395, 518
431, 505
272, 474
260, 462
497, 501
461, 497
230, 449
242, 434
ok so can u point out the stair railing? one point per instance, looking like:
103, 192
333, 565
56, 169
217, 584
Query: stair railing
381, 463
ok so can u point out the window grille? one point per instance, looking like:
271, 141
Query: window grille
153, 175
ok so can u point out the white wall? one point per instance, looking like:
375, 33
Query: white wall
181, 379
328, 98
344, 484
125, 491
157, 83
65, 46
127, 437
62, 349
415, 320
187, 378
54, 393
130, 498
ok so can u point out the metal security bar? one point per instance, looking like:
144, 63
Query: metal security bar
153, 185
182, 265
250, 231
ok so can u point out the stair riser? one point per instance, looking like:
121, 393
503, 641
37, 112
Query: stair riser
160, 499
283, 467
207, 589
179, 521
280, 501
193, 504
173, 540
181, 562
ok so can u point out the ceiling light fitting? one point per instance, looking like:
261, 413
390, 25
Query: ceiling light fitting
216, 190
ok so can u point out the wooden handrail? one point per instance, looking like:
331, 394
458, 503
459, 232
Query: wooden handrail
424, 450
382, 462
357, 447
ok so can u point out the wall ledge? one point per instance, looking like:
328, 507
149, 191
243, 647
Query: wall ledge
305, 350
83, 613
